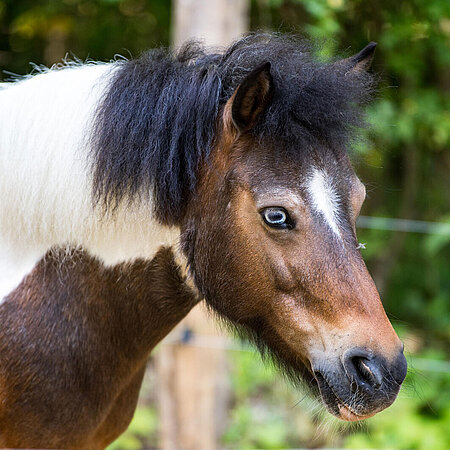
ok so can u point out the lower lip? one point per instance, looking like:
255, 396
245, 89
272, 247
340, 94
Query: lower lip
349, 416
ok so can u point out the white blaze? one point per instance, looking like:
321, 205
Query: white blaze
325, 200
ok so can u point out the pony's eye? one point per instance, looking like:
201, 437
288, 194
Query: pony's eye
277, 218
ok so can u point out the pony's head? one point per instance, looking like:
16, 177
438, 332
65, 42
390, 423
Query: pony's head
246, 151
270, 232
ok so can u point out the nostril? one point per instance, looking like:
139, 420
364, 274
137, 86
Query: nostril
363, 369
372, 374
367, 371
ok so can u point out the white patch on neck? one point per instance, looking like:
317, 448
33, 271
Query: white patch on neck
46, 180
325, 199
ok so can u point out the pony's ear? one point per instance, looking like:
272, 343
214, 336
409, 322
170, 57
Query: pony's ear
251, 98
362, 60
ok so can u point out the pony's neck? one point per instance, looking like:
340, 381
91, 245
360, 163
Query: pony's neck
152, 297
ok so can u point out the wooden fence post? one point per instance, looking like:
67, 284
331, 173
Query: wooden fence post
192, 386
192, 379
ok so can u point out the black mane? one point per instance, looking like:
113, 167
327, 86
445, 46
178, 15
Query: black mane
158, 118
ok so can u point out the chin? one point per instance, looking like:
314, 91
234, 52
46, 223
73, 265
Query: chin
354, 406
334, 405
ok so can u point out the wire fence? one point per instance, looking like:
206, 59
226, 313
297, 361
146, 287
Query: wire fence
406, 225
188, 338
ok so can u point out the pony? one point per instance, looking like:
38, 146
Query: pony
132, 190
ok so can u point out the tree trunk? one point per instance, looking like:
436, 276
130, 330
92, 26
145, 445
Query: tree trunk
192, 392
215, 22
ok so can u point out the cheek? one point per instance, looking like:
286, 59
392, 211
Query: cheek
229, 271
280, 271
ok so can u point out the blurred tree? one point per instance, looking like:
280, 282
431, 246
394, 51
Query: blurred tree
193, 392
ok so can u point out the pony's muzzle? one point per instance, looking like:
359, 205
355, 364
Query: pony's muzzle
361, 383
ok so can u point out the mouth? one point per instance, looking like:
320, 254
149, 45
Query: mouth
335, 405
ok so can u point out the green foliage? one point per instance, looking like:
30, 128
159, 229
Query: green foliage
437, 243
267, 413
248, 430
141, 432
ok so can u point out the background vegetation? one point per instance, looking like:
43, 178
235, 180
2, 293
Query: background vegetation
405, 165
